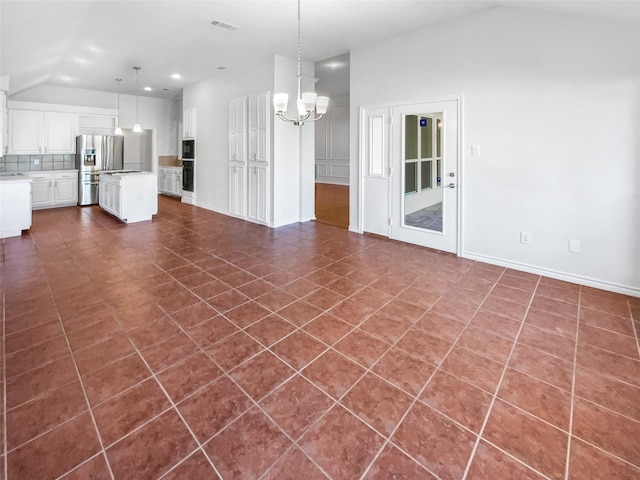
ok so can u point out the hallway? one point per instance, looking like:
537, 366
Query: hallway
202, 346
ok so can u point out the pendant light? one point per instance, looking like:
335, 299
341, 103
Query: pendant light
137, 128
118, 129
306, 102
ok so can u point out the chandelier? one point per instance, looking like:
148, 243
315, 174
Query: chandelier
306, 102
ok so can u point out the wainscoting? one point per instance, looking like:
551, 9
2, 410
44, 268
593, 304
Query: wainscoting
332, 204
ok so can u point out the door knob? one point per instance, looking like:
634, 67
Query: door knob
452, 185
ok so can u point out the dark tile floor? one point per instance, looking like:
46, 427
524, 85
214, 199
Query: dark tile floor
199, 346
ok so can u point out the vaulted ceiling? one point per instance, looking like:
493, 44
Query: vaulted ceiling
87, 44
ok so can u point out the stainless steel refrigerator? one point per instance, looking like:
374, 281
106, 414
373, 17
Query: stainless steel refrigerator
95, 154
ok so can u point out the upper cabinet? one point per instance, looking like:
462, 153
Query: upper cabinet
60, 132
259, 124
34, 132
3, 120
237, 129
189, 124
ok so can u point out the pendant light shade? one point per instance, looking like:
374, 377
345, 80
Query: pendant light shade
118, 130
137, 128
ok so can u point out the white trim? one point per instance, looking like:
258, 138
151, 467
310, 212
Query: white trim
53, 107
567, 277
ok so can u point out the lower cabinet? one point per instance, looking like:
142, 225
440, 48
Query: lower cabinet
110, 197
170, 180
54, 189
237, 190
258, 194
249, 191
131, 197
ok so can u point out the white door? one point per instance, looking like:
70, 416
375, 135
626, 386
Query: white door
374, 145
425, 158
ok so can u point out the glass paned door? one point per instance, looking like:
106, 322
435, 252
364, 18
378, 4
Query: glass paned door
425, 156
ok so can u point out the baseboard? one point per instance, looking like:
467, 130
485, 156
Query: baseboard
353, 229
567, 277
213, 209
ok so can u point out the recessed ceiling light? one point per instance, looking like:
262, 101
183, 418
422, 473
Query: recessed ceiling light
147, 89
176, 76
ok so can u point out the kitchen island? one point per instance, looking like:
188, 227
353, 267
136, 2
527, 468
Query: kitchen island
15, 204
131, 196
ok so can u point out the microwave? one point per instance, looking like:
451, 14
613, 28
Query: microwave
189, 149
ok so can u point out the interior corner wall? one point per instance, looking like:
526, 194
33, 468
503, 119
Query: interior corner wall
293, 153
553, 101
211, 98
160, 114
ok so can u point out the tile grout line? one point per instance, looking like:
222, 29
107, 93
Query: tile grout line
633, 326
5, 465
171, 407
573, 389
497, 389
337, 401
84, 391
428, 381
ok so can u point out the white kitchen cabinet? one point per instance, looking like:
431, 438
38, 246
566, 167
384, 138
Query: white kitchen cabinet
237, 190
132, 197
162, 179
37, 132
189, 124
259, 123
249, 178
3, 120
42, 190
26, 128
237, 129
54, 189
60, 132
109, 197
15, 204
65, 188
170, 180
258, 194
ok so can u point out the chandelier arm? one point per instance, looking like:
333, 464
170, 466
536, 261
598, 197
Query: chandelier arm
313, 119
284, 117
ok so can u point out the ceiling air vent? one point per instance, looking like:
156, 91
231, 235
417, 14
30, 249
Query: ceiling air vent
226, 26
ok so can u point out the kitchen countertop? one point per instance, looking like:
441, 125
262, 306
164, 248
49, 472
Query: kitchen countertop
126, 172
14, 177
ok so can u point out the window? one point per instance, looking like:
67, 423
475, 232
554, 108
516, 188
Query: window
420, 152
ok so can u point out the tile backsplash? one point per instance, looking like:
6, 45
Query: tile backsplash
35, 163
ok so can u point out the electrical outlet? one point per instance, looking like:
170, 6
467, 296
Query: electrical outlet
525, 238
36, 161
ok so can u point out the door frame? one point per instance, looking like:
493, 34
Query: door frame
389, 146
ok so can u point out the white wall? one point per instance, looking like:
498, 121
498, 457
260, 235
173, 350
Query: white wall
162, 115
554, 103
332, 143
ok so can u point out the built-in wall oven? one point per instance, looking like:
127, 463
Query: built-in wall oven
187, 175
189, 149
